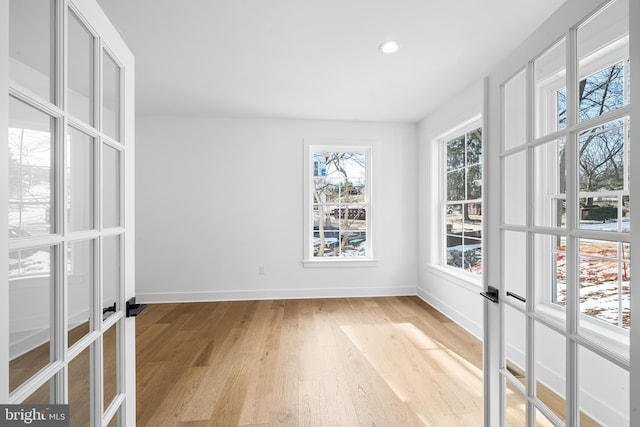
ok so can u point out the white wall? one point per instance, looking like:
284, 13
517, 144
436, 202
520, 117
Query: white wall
217, 198
454, 296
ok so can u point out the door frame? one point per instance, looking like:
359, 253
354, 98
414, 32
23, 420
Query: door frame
4, 197
569, 14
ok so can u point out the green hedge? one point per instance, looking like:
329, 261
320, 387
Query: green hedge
602, 213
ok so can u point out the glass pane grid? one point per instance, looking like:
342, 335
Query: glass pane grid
463, 204
340, 204
53, 232
578, 214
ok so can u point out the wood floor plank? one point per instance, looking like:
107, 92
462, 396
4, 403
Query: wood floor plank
228, 407
202, 403
260, 394
172, 406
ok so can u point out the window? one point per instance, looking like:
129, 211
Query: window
461, 205
595, 216
338, 225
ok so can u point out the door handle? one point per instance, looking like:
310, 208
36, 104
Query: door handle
109, 308
134, 309
492, 294
516, 296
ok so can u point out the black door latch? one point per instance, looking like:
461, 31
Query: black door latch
134, 309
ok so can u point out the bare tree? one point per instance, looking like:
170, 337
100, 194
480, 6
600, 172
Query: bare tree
601, 149
335, 186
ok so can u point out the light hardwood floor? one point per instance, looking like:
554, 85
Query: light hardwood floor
391, 361
332, 362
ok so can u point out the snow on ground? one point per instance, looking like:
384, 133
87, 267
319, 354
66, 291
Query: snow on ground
604, 285
37, 263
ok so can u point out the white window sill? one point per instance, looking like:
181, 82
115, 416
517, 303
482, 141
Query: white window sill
339, 262
611, 337
460, 278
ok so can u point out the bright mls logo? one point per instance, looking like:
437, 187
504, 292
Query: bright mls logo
34, 415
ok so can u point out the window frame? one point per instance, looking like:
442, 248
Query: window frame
336, 145
474, 123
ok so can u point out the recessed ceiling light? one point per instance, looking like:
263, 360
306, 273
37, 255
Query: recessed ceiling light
389, 46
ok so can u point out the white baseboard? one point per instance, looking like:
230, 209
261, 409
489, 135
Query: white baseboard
451, 312
25, 341
169, 297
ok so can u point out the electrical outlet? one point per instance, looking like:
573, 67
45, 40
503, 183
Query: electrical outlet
261, 270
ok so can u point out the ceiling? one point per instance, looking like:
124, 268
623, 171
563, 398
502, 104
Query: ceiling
315, 59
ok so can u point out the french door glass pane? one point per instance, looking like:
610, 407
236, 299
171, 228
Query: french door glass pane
603, 390
514, 110
110, 273
80, 390
603, 49
605, 279
515, 194
110, 350
550, 104
31, 288
43, 395
80, 70
115, 421
550, 272
31, 172
515, 329
80, 285
110, 187
110, 97
605, 213
542, 421
601, 152
515, 263
516, 407
549, 184
31, 42
604, 177
79, 154
550, 369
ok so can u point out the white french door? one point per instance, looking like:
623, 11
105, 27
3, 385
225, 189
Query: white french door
559, 348
68, 198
